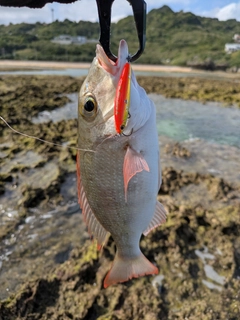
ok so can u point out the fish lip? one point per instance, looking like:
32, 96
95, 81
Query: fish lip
104, 62
107, 64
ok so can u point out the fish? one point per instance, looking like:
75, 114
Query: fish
118, 174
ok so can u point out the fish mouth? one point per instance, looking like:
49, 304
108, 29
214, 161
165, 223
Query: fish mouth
114, 69
107, 64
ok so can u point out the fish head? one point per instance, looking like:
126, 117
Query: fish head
97, 95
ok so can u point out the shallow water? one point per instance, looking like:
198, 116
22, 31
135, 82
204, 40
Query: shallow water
206, 157
176, 118
83, 72
36, 241
210, 273
181, 120
29, 158
69, 111
46, 72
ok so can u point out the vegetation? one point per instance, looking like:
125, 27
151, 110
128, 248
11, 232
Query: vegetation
174, 38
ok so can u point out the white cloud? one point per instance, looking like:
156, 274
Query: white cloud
87, 10
18, 15
79, 10
231, 11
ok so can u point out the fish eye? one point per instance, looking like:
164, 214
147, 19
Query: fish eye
88, 106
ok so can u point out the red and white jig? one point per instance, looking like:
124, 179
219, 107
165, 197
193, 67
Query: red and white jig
122, 99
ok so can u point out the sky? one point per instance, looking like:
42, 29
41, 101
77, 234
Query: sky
87, 10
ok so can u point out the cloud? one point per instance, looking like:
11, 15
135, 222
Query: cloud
231, 11
18, 15
87, 10
79, 10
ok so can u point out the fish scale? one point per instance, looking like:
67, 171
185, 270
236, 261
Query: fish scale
106, 190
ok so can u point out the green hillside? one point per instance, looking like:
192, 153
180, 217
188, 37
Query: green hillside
174, 38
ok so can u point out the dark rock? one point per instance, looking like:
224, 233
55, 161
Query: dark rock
2, 189
177, 150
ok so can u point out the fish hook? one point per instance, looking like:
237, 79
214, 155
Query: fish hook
104, 12
128, 135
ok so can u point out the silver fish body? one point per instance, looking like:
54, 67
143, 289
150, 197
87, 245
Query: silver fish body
118, 175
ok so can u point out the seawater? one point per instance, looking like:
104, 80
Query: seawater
176, 118
181, 120
84, 72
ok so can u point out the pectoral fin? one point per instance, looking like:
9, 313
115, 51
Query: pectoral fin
133, 163
159, 218
94, 227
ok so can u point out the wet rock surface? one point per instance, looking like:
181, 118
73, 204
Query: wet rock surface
177, 150
49, 267
225, 90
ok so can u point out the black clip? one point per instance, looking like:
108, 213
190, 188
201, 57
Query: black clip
104, 13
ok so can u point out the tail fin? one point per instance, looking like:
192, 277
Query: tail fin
124, 269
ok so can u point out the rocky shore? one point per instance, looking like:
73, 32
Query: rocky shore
57, 272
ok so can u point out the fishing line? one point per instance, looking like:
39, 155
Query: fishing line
42, 140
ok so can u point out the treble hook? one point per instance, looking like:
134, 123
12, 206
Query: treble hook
104, 13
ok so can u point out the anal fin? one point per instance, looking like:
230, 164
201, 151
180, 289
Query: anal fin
159, 218
133, 164
94, 227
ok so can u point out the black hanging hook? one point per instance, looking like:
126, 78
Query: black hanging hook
104, 13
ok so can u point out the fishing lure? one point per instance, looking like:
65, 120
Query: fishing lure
122, 99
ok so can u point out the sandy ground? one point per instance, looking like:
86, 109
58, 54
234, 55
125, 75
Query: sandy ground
12, 65
15, 64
